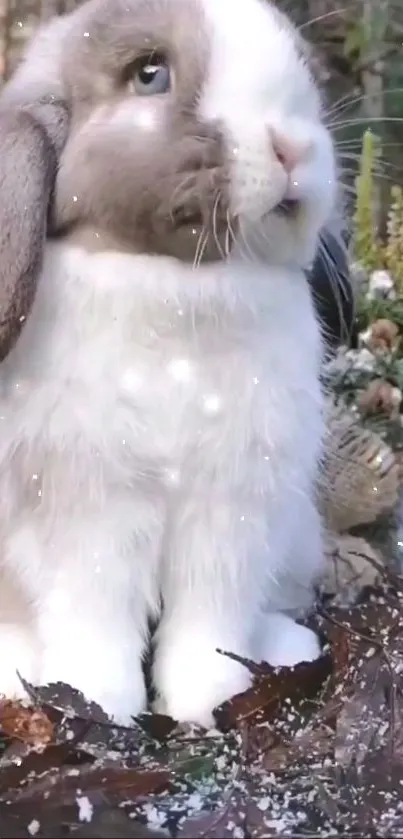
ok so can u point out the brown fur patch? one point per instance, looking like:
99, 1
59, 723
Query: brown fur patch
154, 189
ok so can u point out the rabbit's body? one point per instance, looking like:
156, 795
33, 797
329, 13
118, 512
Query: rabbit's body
162, 412
160, 428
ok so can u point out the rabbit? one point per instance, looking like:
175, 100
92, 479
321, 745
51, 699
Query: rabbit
162, 415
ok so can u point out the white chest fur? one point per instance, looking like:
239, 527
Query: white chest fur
160, 432
163, 371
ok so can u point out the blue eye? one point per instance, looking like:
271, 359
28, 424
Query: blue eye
151, 76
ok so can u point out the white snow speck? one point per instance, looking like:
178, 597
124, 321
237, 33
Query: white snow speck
85, 809
263, 804
33, 827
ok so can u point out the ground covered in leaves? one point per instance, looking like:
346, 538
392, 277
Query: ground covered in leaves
312, 751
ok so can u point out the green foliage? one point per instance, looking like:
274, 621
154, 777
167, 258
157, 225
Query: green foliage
366, 248
393, 248
370, 310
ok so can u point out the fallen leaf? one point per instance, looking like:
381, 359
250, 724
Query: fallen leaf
272, 687
63, 784
113, 824
29, 725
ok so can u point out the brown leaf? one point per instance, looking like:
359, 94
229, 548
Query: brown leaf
342, 648
219, 824
58, 700
272, 687
157, 726
313, 745
113, 824
14, 775
61, 785
29, 725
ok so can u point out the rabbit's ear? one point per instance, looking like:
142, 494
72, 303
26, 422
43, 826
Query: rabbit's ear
333, 288
33, 130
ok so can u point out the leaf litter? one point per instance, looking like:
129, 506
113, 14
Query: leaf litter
314, 750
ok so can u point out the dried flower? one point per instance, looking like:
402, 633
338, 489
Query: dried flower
380, 397
384, 335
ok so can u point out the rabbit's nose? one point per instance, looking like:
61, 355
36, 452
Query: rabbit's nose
289, 152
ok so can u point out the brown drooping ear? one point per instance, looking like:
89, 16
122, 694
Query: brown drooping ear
33, 130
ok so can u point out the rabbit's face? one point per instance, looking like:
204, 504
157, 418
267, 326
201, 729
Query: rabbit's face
196, 128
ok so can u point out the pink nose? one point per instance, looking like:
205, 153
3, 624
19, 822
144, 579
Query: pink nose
288, 152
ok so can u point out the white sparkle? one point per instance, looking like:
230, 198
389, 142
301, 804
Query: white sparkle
141, 115
212, 403
75, 198
145, 118
57, 600
86, 34
172, 477
85, 809
33, 827
180, 369
255, 380
131, 380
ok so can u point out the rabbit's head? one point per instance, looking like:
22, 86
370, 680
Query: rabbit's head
189, 128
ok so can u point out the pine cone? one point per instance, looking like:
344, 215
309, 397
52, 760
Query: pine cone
360, 478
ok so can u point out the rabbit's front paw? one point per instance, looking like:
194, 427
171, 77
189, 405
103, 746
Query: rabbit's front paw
192, 679
101, 675
18, 655
284, 643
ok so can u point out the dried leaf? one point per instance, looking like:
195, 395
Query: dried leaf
271, 687
113, 824
28, 725
63, 785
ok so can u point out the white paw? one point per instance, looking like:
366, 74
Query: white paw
18, 652
284, 643
119, 690
192, 679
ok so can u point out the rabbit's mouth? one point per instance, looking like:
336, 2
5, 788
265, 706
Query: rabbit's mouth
191, 218
187, 217
288, 208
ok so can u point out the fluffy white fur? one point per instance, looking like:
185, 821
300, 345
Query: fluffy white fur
161, 425
149, 445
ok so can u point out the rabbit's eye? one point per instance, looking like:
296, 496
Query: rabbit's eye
151, 75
